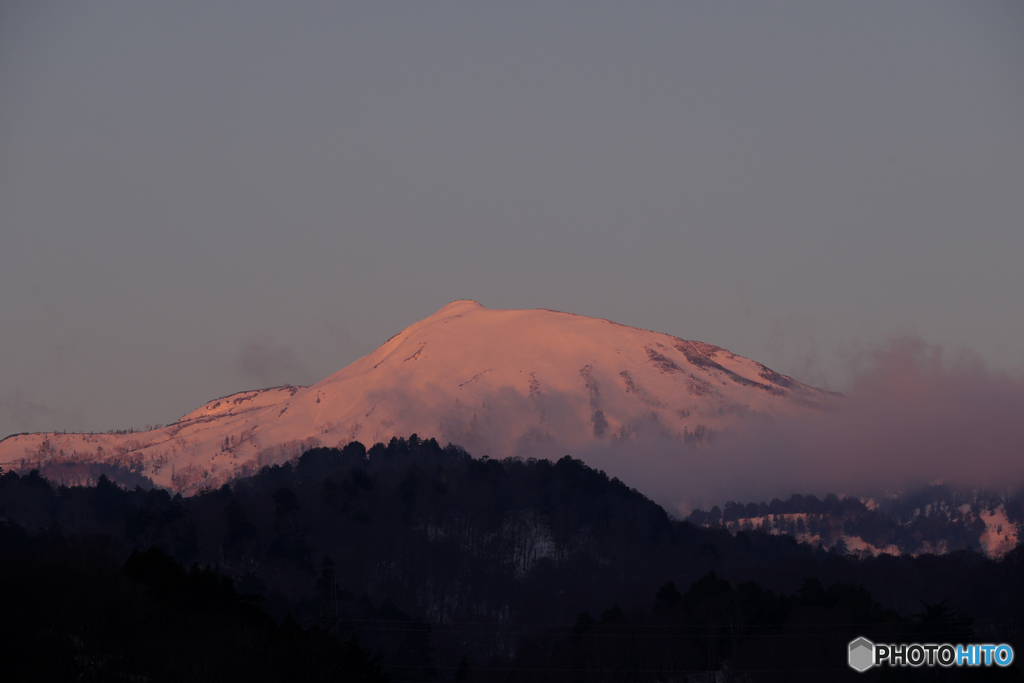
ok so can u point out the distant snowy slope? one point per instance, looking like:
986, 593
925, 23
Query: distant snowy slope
499, 382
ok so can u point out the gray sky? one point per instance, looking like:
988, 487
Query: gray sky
202, 197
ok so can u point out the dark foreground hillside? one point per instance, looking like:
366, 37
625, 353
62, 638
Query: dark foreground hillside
453, 568
73, 611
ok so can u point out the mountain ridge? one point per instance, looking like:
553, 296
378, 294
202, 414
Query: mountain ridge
531, 382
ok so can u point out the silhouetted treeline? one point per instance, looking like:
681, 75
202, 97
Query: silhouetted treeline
72, 612
446, 564
741, 632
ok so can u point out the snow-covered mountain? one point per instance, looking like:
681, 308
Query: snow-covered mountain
499, 382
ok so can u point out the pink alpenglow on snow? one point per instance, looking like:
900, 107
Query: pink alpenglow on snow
532, 383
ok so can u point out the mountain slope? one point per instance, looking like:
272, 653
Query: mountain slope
500, 382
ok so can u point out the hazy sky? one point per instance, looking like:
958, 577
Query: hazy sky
202, 197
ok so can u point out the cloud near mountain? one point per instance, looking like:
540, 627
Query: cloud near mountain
913, 415
684, 421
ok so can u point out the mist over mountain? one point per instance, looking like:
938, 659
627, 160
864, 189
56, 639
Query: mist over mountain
914, 415
688, 423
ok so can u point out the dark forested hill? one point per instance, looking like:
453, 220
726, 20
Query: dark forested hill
436, 560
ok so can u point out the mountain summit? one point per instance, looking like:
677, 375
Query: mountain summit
499, 382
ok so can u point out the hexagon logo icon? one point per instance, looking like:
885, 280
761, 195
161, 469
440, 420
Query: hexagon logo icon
862, 654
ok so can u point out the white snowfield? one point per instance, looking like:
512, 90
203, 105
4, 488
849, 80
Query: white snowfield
498, 382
